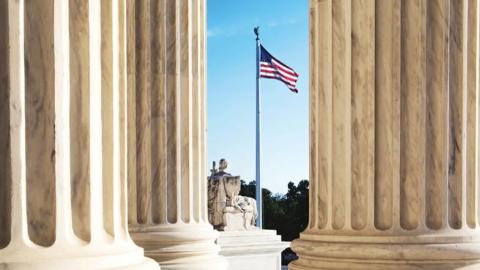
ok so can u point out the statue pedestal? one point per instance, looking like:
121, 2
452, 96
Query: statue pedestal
252, 250
238, 221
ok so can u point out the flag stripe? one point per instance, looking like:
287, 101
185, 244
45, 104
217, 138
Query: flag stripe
271, 68
278, 77
269, 76
275, 76
284, 68
270, 72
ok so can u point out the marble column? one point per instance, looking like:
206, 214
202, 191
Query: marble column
167, 170
63, 137
394, 136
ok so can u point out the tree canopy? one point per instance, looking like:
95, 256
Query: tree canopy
288, 213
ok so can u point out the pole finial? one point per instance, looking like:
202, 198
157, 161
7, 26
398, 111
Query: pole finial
256, 30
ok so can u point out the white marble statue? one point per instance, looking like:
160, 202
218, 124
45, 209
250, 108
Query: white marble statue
227, 210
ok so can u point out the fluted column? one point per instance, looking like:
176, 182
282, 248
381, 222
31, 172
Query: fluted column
167, 177
63, 137
394, 136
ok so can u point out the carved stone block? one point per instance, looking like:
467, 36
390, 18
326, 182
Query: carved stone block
228, 211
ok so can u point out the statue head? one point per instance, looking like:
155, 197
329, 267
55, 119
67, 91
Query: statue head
223, 164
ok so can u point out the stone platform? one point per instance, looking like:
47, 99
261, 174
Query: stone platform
252, 250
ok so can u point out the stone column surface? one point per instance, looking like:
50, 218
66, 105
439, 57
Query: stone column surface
63, 137
166, 122
394, 136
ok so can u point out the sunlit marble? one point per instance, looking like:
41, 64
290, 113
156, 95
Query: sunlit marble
62, 178
393, 136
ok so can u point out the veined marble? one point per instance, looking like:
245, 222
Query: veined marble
393, 136
62, 175
166, 140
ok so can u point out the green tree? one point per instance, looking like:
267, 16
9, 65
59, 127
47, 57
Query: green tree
288, 214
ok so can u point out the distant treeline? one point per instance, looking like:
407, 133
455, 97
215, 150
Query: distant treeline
288, 214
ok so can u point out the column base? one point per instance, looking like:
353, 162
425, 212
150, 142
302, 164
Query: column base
253, 250
74, 258
181, 246
335, 252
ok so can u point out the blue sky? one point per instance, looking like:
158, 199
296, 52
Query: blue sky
231, 89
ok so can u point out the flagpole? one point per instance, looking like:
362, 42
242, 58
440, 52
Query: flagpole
257, 144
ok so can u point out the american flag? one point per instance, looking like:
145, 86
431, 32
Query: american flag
271, 68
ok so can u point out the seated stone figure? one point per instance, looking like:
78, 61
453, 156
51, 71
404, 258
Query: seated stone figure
228, 211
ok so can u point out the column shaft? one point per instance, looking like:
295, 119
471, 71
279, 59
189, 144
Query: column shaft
167, 182
393, 136
55, 177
